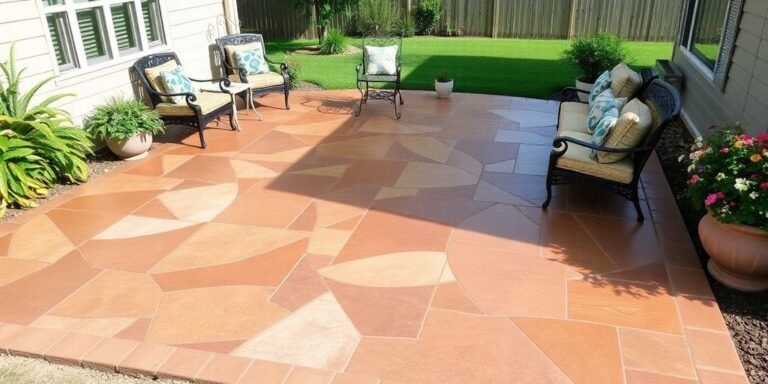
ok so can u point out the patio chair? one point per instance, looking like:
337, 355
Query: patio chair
368, 71
571, 162
571, 94
198, 109
261, 83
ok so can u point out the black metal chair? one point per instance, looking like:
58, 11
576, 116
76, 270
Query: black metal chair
364, 79
200, 108
664, 103
261, 84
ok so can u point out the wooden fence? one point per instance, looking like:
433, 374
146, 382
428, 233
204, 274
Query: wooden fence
644, 20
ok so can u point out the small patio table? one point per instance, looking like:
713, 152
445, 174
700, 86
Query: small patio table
234, 89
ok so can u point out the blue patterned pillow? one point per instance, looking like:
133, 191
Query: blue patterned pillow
603, 102
175, 81
601, 84
604, 126
251, 62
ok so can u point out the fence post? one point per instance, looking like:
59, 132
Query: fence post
572, 22
495, 26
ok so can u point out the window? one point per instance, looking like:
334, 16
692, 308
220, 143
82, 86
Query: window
710, 33
85, 33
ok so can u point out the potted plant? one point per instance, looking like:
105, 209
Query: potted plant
126, 125
443, 85
592, 56
729, 177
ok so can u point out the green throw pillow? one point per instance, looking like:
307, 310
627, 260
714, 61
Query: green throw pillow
175, 81
601, 84
251, 62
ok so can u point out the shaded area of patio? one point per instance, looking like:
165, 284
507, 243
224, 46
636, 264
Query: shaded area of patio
320, 246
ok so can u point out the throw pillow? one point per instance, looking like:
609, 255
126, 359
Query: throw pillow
630, 130
251, 62
175, 81
603, 103
601, 84
604, 127
624, 81
381, 60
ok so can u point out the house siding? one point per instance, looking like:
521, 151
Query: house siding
193, 28
745, 97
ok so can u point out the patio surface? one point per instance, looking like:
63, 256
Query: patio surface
316, 247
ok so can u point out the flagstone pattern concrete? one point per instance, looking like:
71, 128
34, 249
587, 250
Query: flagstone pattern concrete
314, 246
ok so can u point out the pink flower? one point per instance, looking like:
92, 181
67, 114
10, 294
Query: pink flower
694, 179
711, 199
732, 204
725, 150
754, 176
763, 137
764, 185
747, 139
720, 195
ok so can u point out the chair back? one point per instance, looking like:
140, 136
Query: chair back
381, 40
239, 39
664, 102
150, 61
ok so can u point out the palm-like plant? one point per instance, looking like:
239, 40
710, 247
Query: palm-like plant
39, 144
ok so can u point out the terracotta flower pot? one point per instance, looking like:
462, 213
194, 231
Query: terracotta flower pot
133, 148
738, 254
584, 87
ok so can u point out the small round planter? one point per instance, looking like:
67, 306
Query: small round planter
134, 148
738, 254
444, 89
584, 87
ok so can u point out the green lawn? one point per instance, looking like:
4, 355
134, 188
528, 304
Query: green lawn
530, 68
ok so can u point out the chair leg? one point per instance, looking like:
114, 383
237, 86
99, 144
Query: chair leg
203, 144
232, 121
636, 202
287, 91
549, 194
397, 113
362, 99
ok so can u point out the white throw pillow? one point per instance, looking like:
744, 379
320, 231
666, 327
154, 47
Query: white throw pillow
381, 60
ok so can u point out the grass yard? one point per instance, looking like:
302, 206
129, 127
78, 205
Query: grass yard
530, 68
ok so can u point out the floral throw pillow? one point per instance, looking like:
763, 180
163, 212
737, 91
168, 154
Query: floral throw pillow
604, 127
175, 81
601, 84
381, 60
251, 62
604, 102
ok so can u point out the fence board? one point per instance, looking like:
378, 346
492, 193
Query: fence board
644, 20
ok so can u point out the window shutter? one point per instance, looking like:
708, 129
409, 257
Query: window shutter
150, 12
730, 32
90, 32
57, 39
124, 32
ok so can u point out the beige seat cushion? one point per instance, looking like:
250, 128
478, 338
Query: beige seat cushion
231, 49
154, 79
261, 80
578, 159
573, 117
630, 130
208, 102
624, 81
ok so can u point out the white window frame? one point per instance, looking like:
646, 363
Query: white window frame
80, 64
690, 25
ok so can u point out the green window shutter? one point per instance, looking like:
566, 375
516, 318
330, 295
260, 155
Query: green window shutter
56, 25
91, 33
124, 26
150, 12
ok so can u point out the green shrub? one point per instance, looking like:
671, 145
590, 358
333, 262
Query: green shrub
427, 15
294, 69
121, 118
594, 55
443, 77
375, 16
39, 144
334, 43
403, 26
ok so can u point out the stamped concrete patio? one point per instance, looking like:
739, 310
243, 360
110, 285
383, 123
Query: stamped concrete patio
315, 247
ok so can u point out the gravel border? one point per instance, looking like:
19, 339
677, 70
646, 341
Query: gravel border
746, 314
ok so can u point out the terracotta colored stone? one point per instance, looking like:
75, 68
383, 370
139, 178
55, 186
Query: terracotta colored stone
491, 229
40, 240
274, 142
15, 269
26, 299
112, 294
656, 352
108, 354
120, 202
640, 377
136, 331
306, 220
216, 346
716, 377
265, 372
451, 296
301, 375
223, 369
303, 285
96, 326
156, 209
566, 241
348, 224
8, 335
184, 364
650, 274
276, 208
205, 168
145, 360
5, 242
690, 281
80, 226
71, 349
623, 304
34, 342
383, 173
700, 312
346, 378
713, 350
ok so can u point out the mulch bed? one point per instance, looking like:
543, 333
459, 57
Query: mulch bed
746, 314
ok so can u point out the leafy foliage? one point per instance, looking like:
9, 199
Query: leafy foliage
334, 43
443, 77
404, 26
427, 15
294, 68
121, 118
374, 16
729, 175
451, 30
324, 11
594, 55
39, 145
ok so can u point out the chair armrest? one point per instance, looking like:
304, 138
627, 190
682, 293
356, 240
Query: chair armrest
283, 65
560, 146
224, 83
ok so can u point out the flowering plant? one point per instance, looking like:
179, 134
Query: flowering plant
729, 176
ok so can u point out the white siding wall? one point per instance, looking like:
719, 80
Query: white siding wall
194, 26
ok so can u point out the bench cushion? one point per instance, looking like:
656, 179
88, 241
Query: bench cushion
573, 117
262, 80
578, 159
624, 81
154, 79
630, 130
208, 102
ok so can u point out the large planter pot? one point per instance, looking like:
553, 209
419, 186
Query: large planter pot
738, 254
444, 90
133, 148
584, 87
